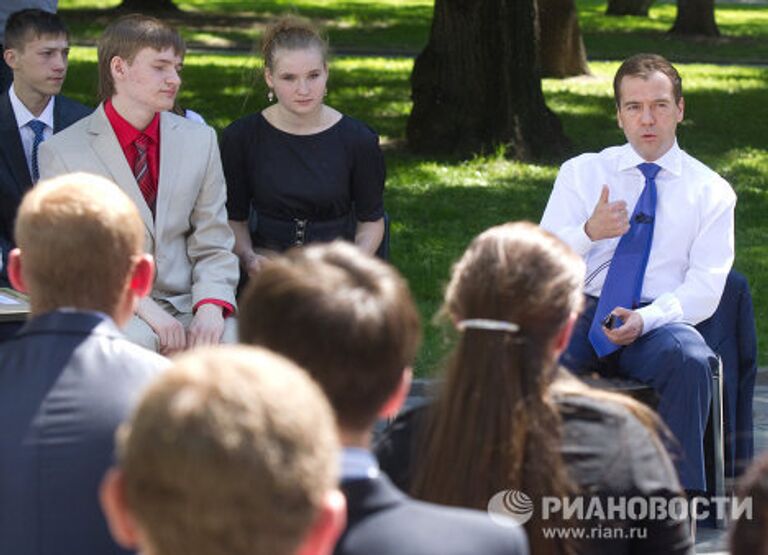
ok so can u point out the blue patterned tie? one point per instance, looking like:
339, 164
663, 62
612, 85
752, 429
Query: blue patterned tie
38, 127
624, 282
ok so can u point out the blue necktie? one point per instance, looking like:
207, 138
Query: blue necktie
38, 127
624, 282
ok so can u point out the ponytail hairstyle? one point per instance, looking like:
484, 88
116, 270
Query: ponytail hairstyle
291, 33
495, 425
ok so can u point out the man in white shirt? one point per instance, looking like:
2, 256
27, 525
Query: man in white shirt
683, 273
36, 49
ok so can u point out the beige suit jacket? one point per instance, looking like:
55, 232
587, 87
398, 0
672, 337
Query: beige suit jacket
189, 237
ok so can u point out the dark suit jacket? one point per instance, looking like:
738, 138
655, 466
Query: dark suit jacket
382, 520
14, 173
67, 379
730, 333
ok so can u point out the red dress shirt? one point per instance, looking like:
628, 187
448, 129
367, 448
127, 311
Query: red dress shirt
127, 134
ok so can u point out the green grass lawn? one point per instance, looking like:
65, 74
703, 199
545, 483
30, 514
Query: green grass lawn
395, 25
403, 26
437, 206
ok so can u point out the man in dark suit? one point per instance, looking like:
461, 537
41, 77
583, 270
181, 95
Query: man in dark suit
350, 321
36, 49
69, 377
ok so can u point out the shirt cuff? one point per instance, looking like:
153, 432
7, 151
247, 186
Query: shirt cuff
666, 309
580, 241
227, 309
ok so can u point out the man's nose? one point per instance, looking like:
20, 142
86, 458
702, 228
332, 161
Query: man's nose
174, 77
60, 62
647, 115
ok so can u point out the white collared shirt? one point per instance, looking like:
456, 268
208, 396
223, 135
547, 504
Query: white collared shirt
24, 116
693, 245
358, 464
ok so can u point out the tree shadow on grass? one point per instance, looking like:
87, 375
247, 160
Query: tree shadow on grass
224, 26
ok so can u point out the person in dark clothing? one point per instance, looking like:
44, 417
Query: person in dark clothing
69, 377
508, 418
350, 321
36, 48
308, 172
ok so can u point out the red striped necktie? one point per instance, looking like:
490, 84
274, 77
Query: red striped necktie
141, 171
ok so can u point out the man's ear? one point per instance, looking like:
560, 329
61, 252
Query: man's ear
142, 276
121, 523
681, 109
14, 271
328, 525
9, 55
396, 400
118, 67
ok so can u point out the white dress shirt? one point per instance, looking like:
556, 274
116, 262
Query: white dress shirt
24, 116
692, 250
358, 464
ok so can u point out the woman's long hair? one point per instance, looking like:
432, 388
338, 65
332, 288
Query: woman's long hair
495, 425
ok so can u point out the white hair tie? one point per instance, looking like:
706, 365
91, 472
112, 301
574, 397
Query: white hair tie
486, 324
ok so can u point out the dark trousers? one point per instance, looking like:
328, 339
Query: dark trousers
675, 361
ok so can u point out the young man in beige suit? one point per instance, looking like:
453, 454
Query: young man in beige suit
171, 169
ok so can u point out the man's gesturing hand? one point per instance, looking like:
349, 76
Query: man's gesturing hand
609, 219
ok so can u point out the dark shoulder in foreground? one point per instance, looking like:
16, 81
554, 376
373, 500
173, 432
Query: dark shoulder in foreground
383, 520
608, 449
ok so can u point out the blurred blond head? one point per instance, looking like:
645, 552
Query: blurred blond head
80, 239
233, 450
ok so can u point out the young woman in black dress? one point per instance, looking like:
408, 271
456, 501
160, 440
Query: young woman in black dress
308, 172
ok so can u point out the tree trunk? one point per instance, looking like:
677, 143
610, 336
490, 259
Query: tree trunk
477, 84
695, 17
148, 6
628, 7
561, 48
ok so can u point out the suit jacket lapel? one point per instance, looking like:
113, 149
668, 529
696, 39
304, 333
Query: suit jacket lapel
10, 146
107, 148
171, 156
59, 118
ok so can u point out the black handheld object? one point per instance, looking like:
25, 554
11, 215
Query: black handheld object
611, 321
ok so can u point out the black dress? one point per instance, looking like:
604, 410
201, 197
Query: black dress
608, 453
303, 188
